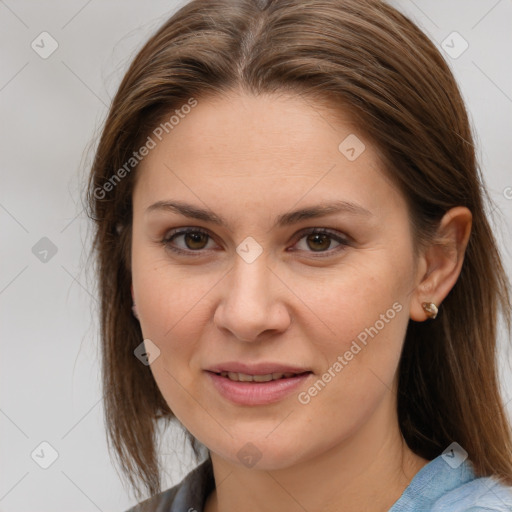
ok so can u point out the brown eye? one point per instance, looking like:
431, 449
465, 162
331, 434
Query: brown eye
319, 241
193, 240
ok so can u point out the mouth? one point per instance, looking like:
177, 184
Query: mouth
245, 377
258, 385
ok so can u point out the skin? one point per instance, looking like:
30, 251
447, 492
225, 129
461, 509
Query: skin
250, 159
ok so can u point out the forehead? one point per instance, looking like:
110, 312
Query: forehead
254, 128
259, 150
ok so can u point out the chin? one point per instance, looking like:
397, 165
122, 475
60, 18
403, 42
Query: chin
259, 453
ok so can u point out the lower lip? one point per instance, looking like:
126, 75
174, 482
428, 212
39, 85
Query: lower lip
256, 393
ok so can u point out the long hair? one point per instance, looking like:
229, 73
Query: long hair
362, 57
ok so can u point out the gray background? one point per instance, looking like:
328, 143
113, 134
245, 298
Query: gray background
51, 112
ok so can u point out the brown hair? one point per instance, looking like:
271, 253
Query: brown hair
358, 56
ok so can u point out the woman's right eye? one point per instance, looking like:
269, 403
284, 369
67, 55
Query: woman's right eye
195, 240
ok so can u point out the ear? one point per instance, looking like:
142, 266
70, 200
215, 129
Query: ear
131, 288
441, 262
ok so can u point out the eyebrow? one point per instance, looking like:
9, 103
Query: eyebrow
286, 219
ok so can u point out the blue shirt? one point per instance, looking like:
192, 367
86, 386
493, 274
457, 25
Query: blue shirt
437, 487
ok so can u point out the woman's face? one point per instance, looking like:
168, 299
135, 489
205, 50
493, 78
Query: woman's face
253, 291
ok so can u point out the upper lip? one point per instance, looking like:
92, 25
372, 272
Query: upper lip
256, 369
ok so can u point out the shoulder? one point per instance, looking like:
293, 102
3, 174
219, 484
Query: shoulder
189, 494
484, 494
445, 486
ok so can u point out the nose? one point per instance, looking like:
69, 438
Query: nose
252, 305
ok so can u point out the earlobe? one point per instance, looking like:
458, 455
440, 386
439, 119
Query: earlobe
443, 261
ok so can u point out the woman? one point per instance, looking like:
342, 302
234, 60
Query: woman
289, 213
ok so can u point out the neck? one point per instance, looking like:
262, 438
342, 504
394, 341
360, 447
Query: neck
368, 471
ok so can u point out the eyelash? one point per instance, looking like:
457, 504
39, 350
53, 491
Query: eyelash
166, 242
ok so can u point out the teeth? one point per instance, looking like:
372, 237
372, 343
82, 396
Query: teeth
264, 378
244, 377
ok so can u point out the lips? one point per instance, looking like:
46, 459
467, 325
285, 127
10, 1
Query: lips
256, 384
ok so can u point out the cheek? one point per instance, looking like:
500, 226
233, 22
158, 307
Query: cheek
164, 292
174, 306
365, 306
363, 291
172, 309
172, 312
369, 321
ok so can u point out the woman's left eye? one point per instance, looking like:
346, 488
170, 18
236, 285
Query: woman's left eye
196, 239
321, 240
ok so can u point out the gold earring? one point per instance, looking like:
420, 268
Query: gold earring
430, 308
